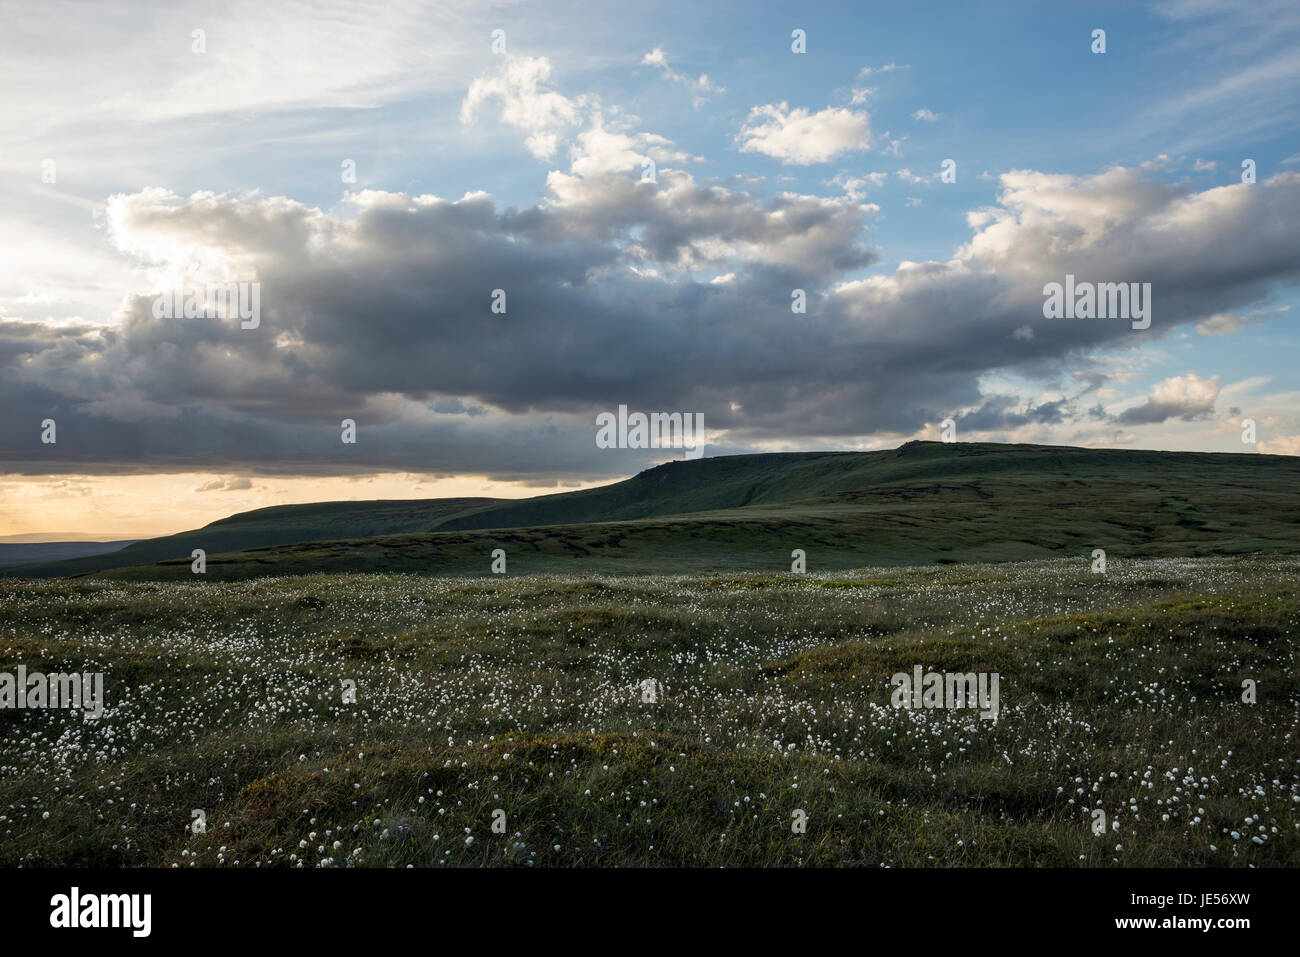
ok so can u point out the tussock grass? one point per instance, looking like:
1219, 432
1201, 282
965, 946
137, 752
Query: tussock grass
523, 694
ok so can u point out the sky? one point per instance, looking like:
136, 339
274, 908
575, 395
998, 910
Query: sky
651, 189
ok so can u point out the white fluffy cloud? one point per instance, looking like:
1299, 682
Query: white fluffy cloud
1283, 445
855, 187
600, 150
520, 86
801, 138
1181, 396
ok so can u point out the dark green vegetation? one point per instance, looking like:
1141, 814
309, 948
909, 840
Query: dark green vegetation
1120, 691
924, 502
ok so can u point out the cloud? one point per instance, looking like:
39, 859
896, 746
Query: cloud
1221, 324
380, 312
1248, 78
855, 187
1282, 445
1009, 411
800, 138
600, 150
257, 58
231, 484
520, 88
1184, 396
928, 116
702, 88
656, 57
868, 71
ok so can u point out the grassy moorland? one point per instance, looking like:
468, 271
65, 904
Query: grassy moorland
1120, 691
920, 503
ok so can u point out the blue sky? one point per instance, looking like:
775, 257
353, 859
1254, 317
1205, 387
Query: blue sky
174, 162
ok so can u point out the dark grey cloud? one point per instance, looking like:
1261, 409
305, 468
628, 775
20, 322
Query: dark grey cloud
672, 296
1006, 412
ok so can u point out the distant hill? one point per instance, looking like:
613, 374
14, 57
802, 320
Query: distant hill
15, 554
923, 502
738, 481
278, 525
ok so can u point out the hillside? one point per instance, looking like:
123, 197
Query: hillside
263, 527
14, 554
736, 481
922, 503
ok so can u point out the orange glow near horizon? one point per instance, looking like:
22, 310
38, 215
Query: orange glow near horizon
110, 507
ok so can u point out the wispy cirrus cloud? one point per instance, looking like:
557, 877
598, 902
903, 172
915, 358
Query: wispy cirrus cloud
702, 88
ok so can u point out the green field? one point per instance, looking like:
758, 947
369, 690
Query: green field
522, 694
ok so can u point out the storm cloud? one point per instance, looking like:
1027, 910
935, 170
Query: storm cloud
673, 294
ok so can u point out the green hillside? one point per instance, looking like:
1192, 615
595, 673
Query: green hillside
263, 527
681, 487
710, 484
922, 503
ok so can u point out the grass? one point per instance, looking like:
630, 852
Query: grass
521, 694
